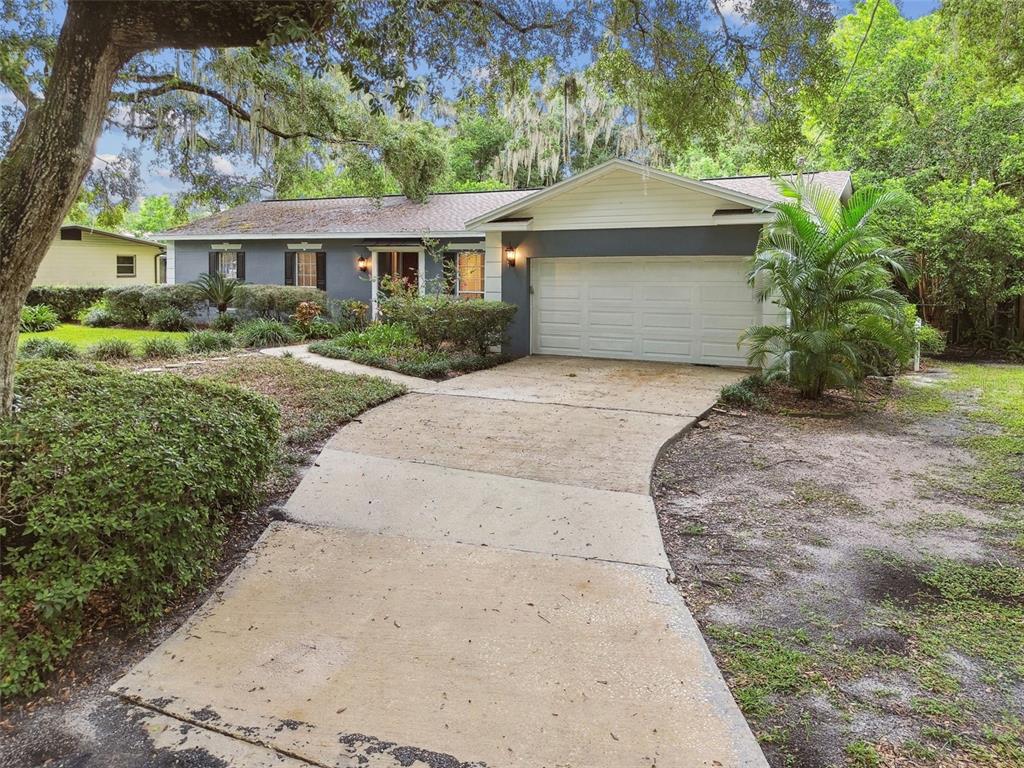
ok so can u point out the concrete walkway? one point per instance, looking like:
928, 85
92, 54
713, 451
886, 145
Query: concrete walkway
474, 577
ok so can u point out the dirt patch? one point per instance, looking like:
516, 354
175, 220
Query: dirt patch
839, 573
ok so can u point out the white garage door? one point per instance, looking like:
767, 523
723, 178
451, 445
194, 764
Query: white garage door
678, 309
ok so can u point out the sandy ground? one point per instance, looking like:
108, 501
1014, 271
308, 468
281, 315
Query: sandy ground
800, 530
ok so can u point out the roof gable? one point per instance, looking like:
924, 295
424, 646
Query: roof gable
646, 177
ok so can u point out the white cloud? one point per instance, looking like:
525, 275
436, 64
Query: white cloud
223, 166
103, 159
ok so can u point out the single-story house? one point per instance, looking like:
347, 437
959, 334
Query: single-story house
81, 255
621, 261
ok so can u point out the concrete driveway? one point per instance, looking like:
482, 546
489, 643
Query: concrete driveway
474, 576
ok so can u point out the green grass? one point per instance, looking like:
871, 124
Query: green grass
82, 336
761, 666
922, 400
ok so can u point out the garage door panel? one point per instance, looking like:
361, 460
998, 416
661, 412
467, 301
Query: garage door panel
669, 293
676, 309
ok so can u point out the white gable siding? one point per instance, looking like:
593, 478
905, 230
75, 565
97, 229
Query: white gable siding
622, 199
93, 261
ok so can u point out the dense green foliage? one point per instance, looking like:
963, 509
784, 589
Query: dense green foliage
931, 108
111, 349
159, 348
38, 317
135, 305
114, 488
475, 325
274, 301
264, 332
66, 300
50, 349
209, 341
170, 319
218, 290
824, 262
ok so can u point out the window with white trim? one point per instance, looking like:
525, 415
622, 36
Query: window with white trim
469, 271
125, 266
227, 263
305, 268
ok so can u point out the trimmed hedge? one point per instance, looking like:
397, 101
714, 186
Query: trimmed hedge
115, 488
422, 363
135, 305
66, 300
277, 302
475, 325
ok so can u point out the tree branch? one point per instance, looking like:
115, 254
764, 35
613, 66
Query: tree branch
169, 83
16, 82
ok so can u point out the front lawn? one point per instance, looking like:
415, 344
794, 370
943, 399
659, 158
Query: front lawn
83, 337
858, 569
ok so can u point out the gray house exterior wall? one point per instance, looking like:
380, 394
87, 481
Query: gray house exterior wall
264, 263
723, 240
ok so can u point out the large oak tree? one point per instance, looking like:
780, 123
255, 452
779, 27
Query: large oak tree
276, 74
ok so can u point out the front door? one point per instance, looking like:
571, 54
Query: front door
404, 265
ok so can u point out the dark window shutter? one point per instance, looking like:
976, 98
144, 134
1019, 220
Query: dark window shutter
289, 267
214, 262
321, 271
240, 265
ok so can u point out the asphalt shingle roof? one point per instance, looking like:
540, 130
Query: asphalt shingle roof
395, 214
764, 188
349, 215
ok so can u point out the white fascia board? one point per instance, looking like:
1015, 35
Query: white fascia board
507, 226
320, 235
741, 218
606, 168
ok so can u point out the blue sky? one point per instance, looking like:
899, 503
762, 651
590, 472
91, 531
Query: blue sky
157, 180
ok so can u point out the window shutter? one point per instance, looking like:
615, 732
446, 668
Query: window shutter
321, 271
289, 267
214, 262
240, 265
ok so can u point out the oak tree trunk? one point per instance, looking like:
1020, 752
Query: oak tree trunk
47, 161
53, 148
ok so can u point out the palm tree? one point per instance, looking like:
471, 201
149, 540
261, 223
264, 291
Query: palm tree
825, 263
217, 289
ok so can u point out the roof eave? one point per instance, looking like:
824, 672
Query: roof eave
172, 236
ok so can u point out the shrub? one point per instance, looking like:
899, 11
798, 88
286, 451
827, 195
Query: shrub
381, 338
38, 318
209, 341
475, 325
50, 349
134, 305
115, 488
423, 363
98, 315
110, 349
225, 322
160, 347
277, 302
169, 319
263, 332
349, 314
824, 261
68, 301
931, 339
218, 290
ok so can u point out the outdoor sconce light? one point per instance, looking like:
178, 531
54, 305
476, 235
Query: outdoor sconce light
363, 263
510, 256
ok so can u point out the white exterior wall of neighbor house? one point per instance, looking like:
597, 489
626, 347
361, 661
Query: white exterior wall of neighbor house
93, 261
170, 263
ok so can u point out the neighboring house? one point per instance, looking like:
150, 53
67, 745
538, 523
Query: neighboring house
82, 255
621, 261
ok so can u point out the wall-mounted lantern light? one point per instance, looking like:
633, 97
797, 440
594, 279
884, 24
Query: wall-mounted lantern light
510, 256
363, 263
